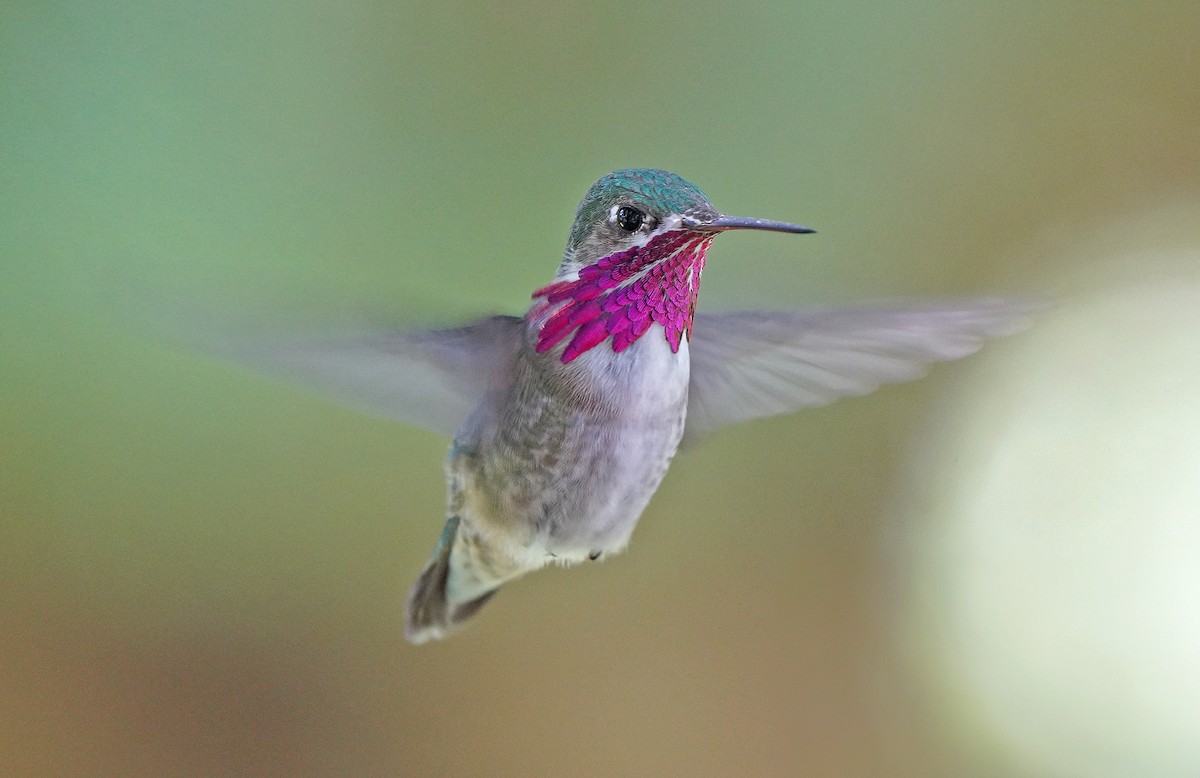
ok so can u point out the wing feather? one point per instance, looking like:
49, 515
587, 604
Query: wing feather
431, 379
759, 363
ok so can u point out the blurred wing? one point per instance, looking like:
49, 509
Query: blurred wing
431, 379
760, 363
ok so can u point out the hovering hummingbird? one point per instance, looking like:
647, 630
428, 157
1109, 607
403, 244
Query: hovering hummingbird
564, 420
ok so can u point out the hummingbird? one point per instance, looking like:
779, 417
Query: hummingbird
564, 420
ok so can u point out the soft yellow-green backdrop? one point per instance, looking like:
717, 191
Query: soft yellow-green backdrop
202, 573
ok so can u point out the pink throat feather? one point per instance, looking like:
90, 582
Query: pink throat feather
604, 302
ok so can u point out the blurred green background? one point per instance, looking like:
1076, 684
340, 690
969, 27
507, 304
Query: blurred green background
202, 573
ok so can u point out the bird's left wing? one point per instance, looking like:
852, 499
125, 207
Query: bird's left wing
761, 363
427, 378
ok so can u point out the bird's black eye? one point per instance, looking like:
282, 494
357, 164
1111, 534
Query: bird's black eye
630, 219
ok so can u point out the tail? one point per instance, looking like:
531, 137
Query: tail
454, 585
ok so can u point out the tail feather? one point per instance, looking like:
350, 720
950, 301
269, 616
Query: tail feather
431, 612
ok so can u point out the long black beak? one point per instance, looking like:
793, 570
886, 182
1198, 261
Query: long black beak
723, 222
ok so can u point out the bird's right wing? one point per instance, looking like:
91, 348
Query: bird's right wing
427, 378
761, 363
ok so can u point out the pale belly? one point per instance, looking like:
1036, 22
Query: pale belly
555, 475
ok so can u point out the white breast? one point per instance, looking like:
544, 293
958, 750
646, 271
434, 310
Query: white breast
627, 456
646, 381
